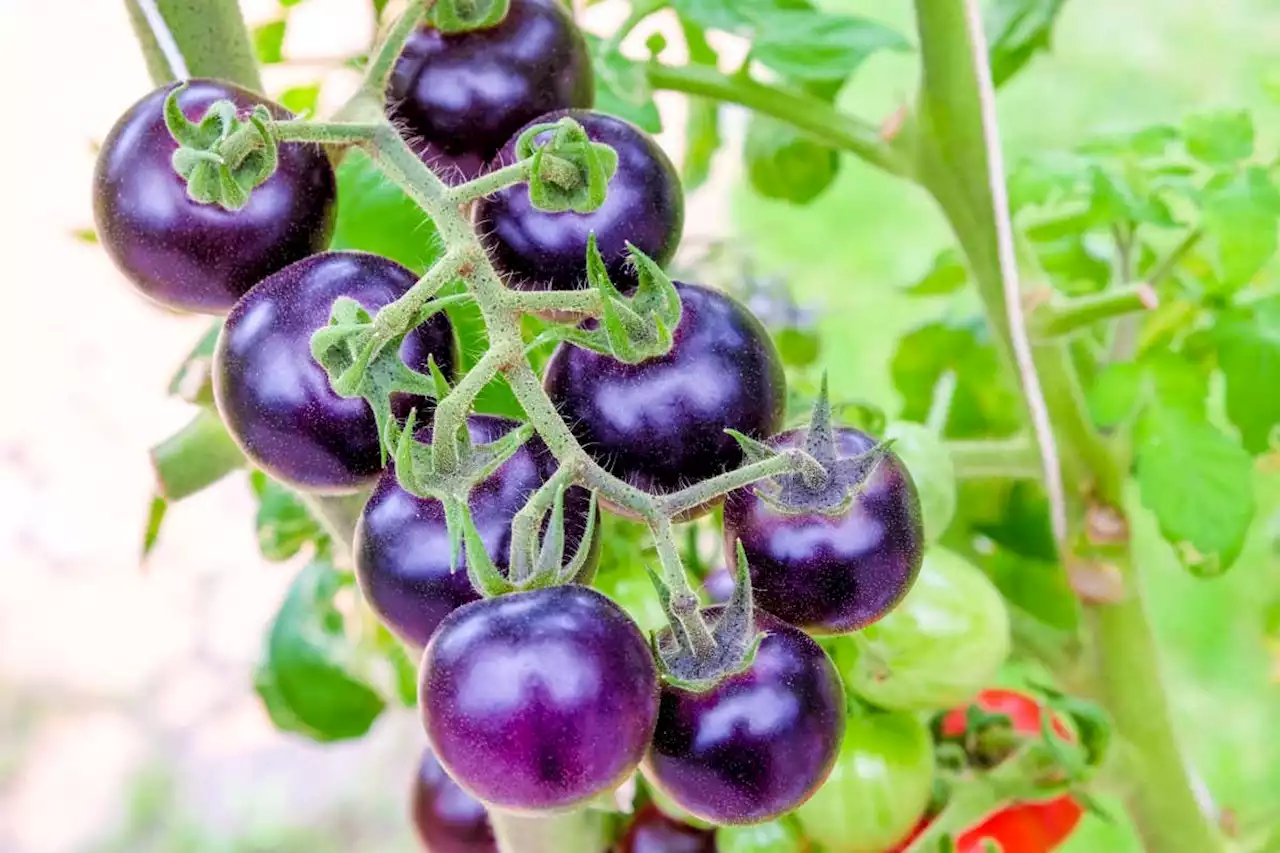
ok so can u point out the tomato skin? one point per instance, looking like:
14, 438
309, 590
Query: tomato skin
200, 257
539, 250
538, 701
831, 573
401, 543
458, 98
660, 424
938, 648
879, 788
276, 399
447, 818
759, 742
1031, 827
653, 832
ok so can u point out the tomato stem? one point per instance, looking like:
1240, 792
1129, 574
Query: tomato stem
195, 457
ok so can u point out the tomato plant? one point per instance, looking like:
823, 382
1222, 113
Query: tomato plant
444, 434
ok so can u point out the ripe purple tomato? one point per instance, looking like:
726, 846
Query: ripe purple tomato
200, 257
661, 424
653, 832
831, 573
760, 742
540, 700
458, 98
448, 819
276, 399
402, 543
537, 250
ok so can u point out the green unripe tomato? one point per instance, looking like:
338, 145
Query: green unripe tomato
784, 164
775, 836
929, 462
879, 789
938, 648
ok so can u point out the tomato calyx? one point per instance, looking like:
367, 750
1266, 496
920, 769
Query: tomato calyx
735, 638
458, 16
567, 170
826, 483
225, 155
633, 328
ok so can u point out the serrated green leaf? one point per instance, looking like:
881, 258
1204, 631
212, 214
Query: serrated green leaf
1168, 379
1114, 394
283, 522
306, 678
985, 402
947, 275
621, 87
1240, 218
1198, 482
1220, 138
1017, 30
268, 41
727, 15
374, 215
805, 45
1249, 356
1114, 198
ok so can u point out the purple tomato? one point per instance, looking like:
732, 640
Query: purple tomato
831, 573
540, 700
757, 744
653, 832
537, 250
718, 585
200, 257
447, 818
458, 98
402, 542
276, 399
661, 424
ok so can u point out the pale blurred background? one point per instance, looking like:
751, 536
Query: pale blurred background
127, 718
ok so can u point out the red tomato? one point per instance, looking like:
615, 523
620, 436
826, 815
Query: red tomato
1018, 827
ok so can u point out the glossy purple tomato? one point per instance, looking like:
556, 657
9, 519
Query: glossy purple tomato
757, 744
448, 819
402, 542
661, 424
458, 98
718, 585
276, 399
537, 250
653, 832
200, 257
831, 573
539, 700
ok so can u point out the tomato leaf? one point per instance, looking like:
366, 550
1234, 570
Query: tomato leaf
301, 100
787, 165
1017, 30
985, 402
702, 127
374, 215
1220, 138
284, 524
306, 679
947, 275
621, 87
805, 44
1240, 217
1199, 484
268, 41
155, 520
1249, 356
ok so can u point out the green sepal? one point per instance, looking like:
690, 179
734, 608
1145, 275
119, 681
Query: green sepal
568, 172
457, 16
753, 450
683, 645
481, 571
820, 438
551, 555
222, 158
577, 569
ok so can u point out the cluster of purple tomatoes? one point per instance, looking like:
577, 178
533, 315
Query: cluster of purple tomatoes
534, 701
